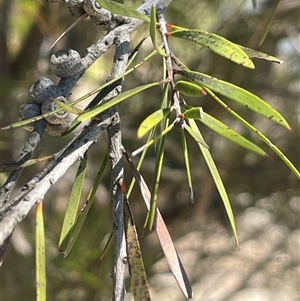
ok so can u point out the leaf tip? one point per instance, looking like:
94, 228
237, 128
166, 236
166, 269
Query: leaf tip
268, 156
192, 195
248, 64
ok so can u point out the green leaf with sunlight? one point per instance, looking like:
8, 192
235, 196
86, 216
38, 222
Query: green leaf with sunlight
217, 179
72, 208
223, 130
40, 254
89, 114
152, 120
254, 130
240, 95
123, 10
217, 44
153, 33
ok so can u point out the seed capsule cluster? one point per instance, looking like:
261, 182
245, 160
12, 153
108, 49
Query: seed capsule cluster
42, 92
64, 63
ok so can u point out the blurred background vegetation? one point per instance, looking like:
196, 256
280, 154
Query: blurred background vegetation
28, 28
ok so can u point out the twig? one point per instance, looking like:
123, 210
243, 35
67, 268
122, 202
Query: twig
67, 30
38, 186
29, 147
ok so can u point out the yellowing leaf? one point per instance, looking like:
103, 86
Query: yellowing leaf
68, 107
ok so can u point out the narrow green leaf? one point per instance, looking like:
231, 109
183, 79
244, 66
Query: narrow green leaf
254, 130
217, 44
164, 236
163, 125
102, 107
136, 49
73, 204
138, 278
141, 160
187, 164
153, 33
150, 142
155, 184
151, 135
217, 179
40, 259
108, 243
260, 55
189, 89
223, 130
28, 121
151, 121
240, 95
85, 209
196, 136
179, 63
270, 21
121, 9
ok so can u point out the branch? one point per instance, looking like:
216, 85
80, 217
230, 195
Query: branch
117, 175
35, 190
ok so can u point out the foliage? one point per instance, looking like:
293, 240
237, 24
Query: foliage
174, 113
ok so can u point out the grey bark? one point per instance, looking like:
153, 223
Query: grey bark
14, 210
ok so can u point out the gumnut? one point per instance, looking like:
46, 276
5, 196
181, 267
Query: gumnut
57, 129
42, 89
49, 106
27, 111
65, 63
